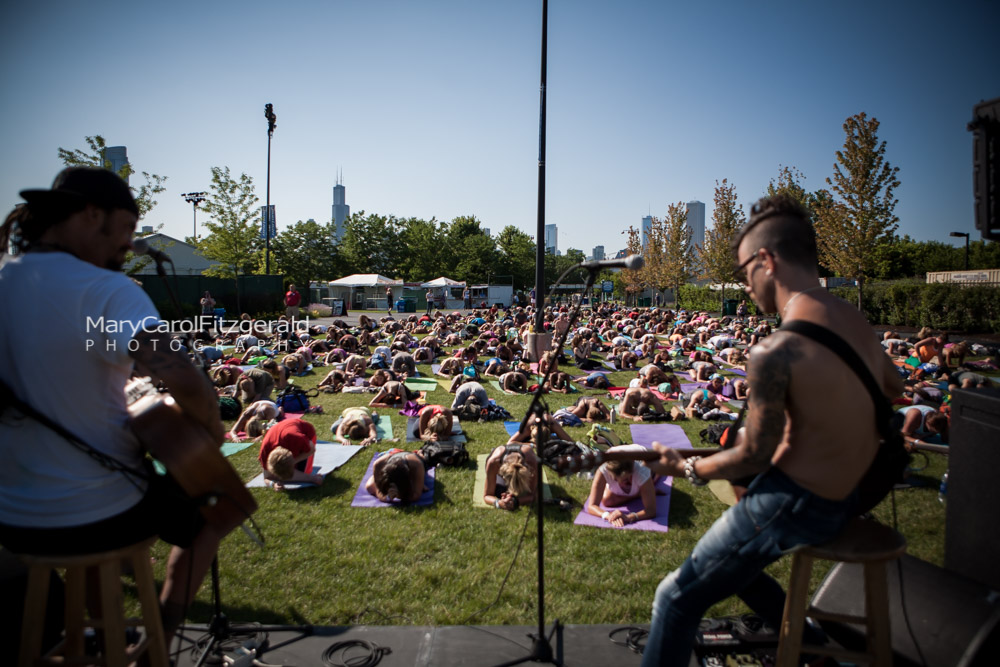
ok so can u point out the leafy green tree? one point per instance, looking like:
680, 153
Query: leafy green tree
95, 158
677, 263
371, 244
789, 183
305, 252
632, 281
859, 217
715, 256
424, 241
516, 257
233, 239
471, 253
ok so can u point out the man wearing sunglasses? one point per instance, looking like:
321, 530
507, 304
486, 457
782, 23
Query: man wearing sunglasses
807, 458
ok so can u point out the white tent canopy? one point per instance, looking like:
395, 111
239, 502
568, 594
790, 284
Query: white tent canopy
443, 282
364, 280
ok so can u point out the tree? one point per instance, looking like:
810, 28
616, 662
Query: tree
677, 261
423, 240
95, 158
371, 244
632, 280
859, 216
305, 252
472, 252
233, 240
516, 257
788, 183
716, 257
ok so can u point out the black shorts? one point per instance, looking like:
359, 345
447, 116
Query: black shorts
164, 510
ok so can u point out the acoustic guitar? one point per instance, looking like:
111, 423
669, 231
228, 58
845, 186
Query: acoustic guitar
566, 465
190, 454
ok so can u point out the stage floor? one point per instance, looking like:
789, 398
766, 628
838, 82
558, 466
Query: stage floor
428, 646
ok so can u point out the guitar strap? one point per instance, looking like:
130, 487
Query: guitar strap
8, 398
837, 345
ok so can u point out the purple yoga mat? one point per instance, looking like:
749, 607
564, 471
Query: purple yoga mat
670, 435
688, 387
659, 522
364, 499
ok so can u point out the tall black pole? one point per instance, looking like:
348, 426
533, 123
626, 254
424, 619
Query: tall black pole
539, 318
966, 252
540, 231
267, 212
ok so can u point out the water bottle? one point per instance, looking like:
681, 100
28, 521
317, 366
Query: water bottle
943, 489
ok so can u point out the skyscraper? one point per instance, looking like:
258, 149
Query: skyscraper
696, 222
551, 239
598, 253
341, 211
647, 229
117, 156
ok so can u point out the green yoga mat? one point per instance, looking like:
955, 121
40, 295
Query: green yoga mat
227, 449
383, 428
421, 384
479, 487
444, 383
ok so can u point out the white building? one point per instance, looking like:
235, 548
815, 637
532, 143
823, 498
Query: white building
185, 258
341, 211
551, 239
696, 222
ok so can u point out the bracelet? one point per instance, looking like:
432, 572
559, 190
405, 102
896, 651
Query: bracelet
496, 503
606, 515
635, 517
689, 472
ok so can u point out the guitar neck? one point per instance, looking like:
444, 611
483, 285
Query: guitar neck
566, 465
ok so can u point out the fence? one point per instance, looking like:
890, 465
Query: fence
258, 295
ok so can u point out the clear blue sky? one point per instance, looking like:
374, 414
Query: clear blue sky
431, 107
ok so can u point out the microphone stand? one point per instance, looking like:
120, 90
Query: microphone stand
541, 648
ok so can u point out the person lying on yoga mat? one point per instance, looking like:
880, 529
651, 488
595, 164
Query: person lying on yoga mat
392, 394
553, 430
704, 401
495, 367
618, 482
284, 451
254, 385
470, 391
434, 423
654, 375
559, 382
921, 423
333, 382
962, 379
398, 475
403, 364
596, 381
225, 375
590, 409
451, 367
356, 366
514, 381
280, 373
510, 476
355, 424
254, 419
638, 402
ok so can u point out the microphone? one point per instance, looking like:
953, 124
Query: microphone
142, 247
632, 263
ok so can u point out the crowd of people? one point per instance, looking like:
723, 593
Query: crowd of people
674, 365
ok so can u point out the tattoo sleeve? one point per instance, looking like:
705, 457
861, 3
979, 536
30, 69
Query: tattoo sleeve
769, 374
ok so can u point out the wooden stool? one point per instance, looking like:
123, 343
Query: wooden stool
865, 542
109, 568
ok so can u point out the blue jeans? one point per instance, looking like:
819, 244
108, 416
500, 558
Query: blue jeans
775, 516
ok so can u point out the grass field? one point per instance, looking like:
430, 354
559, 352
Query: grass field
327, 563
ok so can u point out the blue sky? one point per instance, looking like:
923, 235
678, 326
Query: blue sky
430, 107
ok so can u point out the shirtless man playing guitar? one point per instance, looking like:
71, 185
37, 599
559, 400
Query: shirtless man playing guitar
87, 324
808, 459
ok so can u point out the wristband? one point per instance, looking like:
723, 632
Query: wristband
496, 503
606, 515
689, 472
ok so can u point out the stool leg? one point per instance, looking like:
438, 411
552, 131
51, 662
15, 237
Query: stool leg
877, 614
113, 613
76, 586
33, 622
790, 636
156, 644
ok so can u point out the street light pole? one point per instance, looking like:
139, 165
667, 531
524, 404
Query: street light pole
966, 235
271, 124
194, 198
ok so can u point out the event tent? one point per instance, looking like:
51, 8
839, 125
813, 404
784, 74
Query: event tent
364, 280
443, 282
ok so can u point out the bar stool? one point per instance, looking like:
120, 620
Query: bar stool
113, 623
862, 541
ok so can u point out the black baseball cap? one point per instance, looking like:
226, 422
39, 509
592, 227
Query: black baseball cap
88, 185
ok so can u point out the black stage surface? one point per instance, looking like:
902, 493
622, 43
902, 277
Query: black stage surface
430, 646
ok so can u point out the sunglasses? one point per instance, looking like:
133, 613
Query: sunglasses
740, 272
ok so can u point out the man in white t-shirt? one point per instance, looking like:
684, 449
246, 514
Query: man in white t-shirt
88, 324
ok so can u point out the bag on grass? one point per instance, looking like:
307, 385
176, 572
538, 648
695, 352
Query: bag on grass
293, 399
444, 453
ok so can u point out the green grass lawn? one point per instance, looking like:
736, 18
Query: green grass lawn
327, 563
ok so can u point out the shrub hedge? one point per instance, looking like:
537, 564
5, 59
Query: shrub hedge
972, 308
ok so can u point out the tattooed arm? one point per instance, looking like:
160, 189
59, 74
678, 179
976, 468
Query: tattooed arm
189, 386
769, 375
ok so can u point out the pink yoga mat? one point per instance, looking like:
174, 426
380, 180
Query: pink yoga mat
364, 499
617, 392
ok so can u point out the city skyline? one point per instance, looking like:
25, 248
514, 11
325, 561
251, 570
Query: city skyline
441, 120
